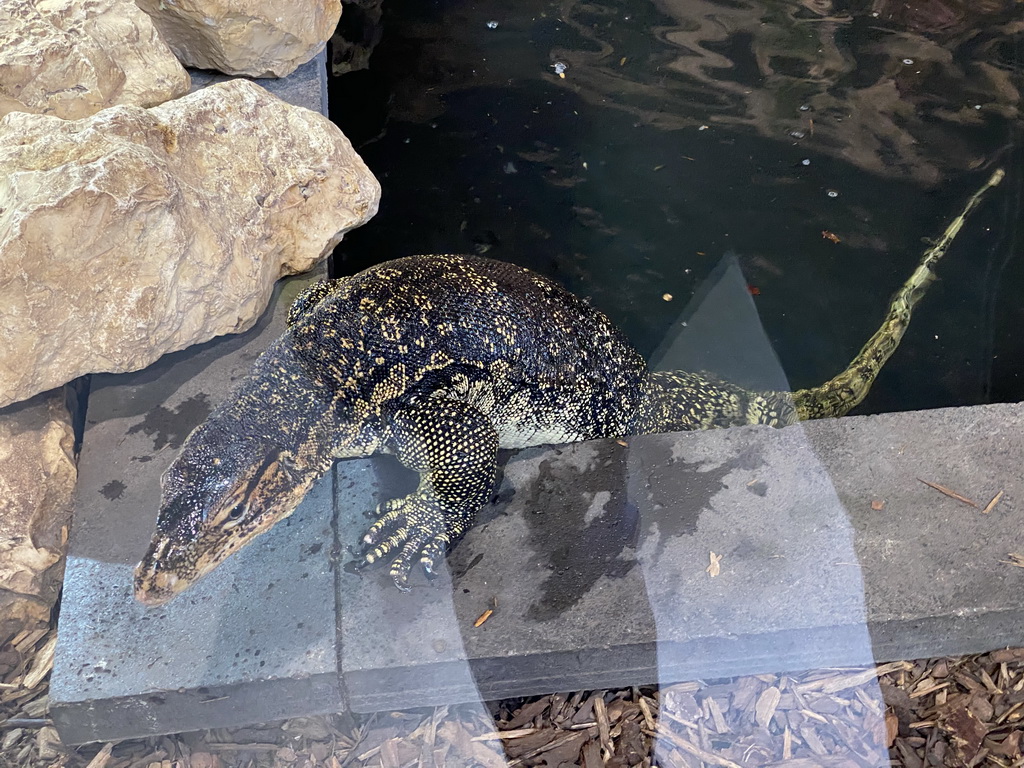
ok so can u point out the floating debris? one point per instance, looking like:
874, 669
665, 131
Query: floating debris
492, 25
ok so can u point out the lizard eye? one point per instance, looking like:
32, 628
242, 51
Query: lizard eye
234, 515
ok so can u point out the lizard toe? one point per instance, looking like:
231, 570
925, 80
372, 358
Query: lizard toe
389, 516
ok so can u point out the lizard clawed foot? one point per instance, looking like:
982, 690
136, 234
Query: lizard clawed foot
415, 527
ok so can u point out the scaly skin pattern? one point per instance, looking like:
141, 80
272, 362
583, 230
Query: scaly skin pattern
442, 360
439, 360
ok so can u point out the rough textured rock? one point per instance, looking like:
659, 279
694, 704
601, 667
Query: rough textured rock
37, 480
138, 232
71, 58
257, 38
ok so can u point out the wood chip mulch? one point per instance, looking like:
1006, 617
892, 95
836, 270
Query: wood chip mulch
966, 711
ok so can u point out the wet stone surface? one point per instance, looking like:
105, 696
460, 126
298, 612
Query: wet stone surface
594, 556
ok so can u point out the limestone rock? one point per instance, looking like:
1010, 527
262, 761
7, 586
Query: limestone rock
71, 58
137, 232
257, 38
37, 481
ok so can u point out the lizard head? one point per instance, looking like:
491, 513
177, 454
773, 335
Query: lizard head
216, 496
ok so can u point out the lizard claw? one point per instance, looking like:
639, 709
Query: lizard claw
401, 581
432, 554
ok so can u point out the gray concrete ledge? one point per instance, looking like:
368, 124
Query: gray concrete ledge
596, 553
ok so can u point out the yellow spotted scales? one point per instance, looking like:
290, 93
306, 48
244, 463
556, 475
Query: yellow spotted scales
442, 360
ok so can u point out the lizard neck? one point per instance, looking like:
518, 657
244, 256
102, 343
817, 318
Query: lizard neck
286, 401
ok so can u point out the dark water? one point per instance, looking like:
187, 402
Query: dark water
683, 130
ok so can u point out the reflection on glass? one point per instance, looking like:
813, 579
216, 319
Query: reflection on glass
739, 186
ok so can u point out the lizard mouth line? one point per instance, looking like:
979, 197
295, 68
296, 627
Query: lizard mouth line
152, 600
157, 589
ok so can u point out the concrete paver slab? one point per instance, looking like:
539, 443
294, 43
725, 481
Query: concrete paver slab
595, 555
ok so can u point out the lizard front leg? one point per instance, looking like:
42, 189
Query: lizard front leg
454, 447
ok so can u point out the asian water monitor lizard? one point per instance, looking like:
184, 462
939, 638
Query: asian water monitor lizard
441, 360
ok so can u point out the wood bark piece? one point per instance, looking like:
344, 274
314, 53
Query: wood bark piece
257, 38
854, 734
72, 58
37, 481
139, 232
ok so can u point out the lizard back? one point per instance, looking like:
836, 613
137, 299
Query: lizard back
543, 364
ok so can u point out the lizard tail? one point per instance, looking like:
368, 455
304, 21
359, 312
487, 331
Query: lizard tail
841, 394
